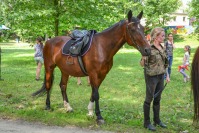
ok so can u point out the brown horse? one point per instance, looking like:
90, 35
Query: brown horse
195, 84
97, 61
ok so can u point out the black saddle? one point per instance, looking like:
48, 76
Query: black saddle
79, 43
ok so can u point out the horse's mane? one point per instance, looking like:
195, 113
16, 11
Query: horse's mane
116, 24
134, 19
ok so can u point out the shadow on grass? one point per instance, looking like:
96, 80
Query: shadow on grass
7, 43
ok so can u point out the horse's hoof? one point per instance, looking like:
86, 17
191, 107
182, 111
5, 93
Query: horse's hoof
47, 108
100, 122
90, 116
69, 110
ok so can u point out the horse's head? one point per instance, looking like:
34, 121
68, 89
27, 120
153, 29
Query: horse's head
135, 34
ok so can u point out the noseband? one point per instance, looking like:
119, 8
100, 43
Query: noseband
132, 38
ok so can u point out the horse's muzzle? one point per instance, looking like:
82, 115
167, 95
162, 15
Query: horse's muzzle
147, 51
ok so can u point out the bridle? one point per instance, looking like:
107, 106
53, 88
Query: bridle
132, 38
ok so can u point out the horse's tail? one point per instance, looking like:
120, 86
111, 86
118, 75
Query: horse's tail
195, 85
42, 91
43, 88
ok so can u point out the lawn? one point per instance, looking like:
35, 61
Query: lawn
122, 93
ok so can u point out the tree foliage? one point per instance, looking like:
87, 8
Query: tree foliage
158, 12
31, 18
194, 13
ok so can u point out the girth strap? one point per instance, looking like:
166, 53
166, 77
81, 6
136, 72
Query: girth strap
82, 65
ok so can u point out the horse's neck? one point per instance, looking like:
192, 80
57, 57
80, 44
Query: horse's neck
115, 37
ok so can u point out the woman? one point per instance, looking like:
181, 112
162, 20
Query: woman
154, 69
38, 47
169, 48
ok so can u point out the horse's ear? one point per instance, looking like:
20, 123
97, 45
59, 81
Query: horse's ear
140, 15
130, 15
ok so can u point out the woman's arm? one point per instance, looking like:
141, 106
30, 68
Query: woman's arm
184, 59
173, 44
167, 77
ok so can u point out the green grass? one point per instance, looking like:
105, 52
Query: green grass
121, 94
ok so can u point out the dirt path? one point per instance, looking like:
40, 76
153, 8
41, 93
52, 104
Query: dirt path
20, 126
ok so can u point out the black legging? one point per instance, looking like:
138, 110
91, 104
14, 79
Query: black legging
154, 84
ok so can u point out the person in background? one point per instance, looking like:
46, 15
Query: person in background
155, 66
148, 37
169, 45
38, 47
17, 39
79, 82
187, 50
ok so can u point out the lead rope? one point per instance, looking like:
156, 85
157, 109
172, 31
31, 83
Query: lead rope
158, 93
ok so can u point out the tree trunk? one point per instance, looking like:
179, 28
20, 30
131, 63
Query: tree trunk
56, 17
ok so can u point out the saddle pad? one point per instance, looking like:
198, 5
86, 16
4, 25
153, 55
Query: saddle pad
65, 49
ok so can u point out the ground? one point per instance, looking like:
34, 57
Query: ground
20, 126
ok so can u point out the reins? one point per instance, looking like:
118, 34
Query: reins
158, 93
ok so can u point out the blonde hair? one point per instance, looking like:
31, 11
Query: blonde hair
155, 32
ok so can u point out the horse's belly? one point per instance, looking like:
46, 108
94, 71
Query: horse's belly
69, 65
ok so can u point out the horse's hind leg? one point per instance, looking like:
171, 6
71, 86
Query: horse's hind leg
49, 80
63, 87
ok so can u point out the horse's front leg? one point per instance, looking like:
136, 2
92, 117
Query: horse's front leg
95, 98
63, 87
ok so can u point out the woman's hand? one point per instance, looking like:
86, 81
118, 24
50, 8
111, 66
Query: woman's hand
142, 60
167, 78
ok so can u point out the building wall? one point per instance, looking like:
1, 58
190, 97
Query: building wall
180, 16
180, 19
181, 22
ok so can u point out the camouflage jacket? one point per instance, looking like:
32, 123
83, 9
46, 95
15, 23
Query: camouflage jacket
157, 62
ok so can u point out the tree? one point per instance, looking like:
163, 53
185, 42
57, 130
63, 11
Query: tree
158, 12
30, 18
194, 13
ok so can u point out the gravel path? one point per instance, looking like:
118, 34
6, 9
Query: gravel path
20, 126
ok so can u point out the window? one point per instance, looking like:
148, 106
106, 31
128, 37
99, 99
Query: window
183, 19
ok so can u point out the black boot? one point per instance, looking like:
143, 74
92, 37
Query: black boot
147, 123
156, 118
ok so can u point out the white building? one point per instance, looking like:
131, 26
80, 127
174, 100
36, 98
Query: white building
180, 16
181, 24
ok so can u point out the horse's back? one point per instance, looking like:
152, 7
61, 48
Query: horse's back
56, 41
55, 44
53, 47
